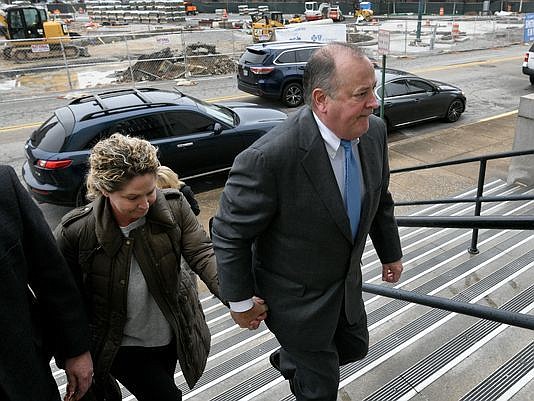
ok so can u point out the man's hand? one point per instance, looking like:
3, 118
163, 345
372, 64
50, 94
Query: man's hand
79, 370
251, 318
391, 272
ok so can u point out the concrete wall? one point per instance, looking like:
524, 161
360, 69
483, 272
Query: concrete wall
522, 167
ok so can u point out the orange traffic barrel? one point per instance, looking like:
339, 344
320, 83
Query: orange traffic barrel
455, 30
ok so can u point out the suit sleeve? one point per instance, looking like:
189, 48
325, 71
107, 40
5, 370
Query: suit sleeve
384, 231
51, 280
247, 206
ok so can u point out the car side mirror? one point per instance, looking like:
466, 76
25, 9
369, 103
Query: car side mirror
217, 128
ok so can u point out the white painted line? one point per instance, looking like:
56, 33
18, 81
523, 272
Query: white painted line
404, 345
452, 281
508, 394
471, 350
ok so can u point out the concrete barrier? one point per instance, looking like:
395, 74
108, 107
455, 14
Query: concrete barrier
522, 168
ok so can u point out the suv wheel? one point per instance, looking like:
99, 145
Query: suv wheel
531, 77
293, 94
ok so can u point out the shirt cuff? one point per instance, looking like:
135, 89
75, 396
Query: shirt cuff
241, 306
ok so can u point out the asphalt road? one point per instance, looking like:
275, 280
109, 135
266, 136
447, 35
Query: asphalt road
491, 79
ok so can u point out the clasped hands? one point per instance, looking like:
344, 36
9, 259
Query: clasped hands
251, 318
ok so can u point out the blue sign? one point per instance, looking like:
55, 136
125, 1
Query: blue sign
528, 33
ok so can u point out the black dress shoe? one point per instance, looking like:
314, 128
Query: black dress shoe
274, 359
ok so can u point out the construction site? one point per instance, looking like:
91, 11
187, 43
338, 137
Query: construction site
160, 40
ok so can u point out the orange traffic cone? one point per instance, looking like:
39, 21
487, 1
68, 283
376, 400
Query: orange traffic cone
224, 14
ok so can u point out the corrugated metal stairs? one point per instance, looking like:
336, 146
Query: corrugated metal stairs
416, 352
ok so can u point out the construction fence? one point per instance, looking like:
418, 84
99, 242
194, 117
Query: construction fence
180, 57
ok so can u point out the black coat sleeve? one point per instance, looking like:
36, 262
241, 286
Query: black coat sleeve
190, 196
50, 278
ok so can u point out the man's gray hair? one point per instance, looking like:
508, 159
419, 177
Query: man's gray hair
320, 72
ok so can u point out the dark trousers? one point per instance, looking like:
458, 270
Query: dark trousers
315, 374
148, 372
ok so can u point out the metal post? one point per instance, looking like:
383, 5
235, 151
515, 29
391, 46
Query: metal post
419, 18
187, 73
234, 57
66, 64
473, 250
383, 87
405, 38
129, 61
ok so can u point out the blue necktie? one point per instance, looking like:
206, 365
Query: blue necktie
352, 187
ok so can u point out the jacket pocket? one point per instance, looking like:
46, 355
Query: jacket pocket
269, 282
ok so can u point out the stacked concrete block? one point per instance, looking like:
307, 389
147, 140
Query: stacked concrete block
135, 11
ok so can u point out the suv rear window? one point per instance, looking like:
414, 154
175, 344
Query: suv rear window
50, 136
253, 57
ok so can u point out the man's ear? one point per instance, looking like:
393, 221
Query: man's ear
319, 99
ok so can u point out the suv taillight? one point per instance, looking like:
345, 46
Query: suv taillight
261, 70
526, 57
53, 164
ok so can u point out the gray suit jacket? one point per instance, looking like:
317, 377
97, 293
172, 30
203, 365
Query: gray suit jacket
282, 232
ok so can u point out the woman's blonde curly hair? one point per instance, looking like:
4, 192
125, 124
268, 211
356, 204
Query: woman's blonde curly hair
116, 160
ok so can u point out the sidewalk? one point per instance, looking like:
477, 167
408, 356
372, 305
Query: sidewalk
476, 139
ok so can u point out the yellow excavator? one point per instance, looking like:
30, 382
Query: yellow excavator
263, 25
31, 35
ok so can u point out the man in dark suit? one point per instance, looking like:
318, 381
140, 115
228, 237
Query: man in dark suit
38, 301
294, 217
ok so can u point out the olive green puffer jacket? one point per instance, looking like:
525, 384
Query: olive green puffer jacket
99, 257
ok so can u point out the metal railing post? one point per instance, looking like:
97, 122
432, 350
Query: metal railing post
66, 63
129, 61
187, 73
473, 250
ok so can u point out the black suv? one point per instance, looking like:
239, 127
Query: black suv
193, 137
275, 70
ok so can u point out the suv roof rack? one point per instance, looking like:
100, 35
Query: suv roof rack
286, 42
124, 108
99, 97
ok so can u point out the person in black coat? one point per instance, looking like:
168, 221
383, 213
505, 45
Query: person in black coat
41, 310
166, 178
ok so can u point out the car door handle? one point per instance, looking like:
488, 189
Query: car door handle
185, 145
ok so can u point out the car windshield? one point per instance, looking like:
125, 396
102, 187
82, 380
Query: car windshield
220, 113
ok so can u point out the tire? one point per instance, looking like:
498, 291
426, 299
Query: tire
531, 78
455, 110
293, 94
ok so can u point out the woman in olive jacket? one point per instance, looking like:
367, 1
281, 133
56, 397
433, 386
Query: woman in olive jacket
124, 250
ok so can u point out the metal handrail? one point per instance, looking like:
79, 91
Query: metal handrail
475, 222
465, 308
493, 156
482, 222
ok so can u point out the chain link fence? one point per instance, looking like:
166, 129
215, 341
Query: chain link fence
83, 63
131, 58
